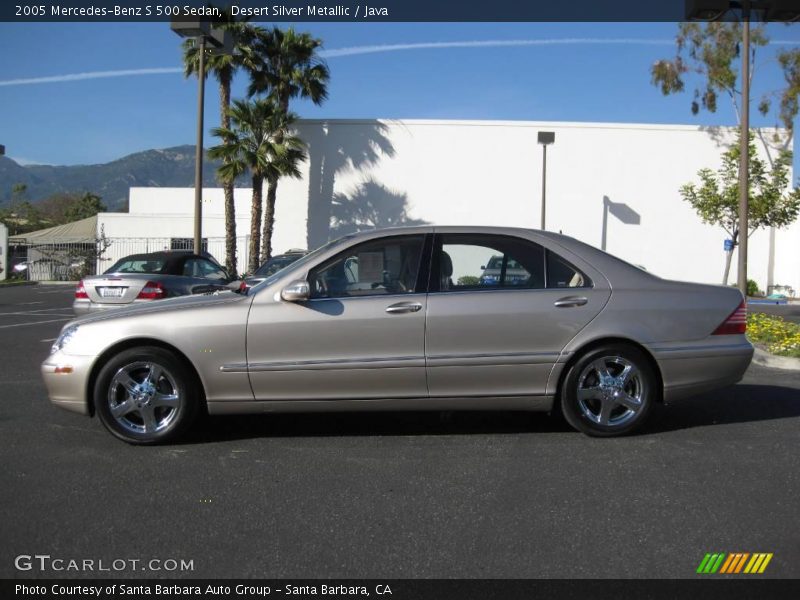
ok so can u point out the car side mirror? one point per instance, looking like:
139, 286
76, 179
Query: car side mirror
296, 291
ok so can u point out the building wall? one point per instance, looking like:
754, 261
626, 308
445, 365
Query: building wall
613, 186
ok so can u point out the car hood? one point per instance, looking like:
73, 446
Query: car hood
167, 305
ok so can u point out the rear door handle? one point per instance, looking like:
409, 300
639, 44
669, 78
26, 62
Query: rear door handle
403, 307
570, 301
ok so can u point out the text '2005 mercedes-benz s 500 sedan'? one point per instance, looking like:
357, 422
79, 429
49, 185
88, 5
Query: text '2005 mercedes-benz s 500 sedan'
406, 319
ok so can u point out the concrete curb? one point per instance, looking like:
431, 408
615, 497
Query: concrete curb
12, 283
765, 359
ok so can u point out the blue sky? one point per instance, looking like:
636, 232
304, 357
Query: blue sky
97, 120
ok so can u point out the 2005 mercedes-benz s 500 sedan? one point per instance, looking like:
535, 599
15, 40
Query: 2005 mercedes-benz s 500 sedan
406, 319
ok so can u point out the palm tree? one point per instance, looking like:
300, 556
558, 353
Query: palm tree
260, 143
285, 64
224, 67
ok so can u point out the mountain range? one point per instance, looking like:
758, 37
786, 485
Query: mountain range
168, 167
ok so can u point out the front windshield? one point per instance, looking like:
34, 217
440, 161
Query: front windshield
298, 264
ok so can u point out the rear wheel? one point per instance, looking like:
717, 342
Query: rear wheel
146, 396
609, 391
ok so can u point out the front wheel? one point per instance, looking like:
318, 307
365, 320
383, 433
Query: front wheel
609, 391
146, 396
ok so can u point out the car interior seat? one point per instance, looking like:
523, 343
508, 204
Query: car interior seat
445, 272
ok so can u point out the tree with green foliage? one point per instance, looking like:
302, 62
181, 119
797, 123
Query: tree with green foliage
284, 65
771, 204
224, 68
258, 142
65, 207
709, 55
88, 205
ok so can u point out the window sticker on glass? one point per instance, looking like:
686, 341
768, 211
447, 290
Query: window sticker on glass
370, 266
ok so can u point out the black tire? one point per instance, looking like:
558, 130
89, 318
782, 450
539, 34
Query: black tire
604, 404
146, 396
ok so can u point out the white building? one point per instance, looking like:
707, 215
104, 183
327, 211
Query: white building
613, 186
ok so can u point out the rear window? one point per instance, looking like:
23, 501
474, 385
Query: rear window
138, 265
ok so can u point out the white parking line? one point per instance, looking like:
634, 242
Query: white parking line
48, 340
35, 313
26, 303
34, 323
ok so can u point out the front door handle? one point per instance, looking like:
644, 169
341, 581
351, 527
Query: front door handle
570, 301
403, 307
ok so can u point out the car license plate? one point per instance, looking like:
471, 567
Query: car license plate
111, 292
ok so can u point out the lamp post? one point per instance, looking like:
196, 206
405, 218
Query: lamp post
545, 139
221, 40
774, 10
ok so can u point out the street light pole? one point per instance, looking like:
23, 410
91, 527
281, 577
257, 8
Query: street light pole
221, 42
198, 154
544, 184
744, 151
545, 138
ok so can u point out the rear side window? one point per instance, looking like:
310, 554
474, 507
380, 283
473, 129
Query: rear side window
138, 265
562, 274
482, 262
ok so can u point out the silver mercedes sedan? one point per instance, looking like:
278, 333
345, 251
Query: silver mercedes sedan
406, 319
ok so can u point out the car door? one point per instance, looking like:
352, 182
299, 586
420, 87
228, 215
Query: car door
360, 335
500, 311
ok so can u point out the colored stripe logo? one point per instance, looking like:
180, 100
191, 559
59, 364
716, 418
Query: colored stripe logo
734, 563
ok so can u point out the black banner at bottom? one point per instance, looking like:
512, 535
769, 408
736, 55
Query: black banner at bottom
400, 589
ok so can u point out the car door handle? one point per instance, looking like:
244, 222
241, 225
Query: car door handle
570, 301
403, 307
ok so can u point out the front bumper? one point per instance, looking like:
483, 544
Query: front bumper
67, 378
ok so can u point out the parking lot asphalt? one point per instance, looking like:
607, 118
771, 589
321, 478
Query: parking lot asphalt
411, 495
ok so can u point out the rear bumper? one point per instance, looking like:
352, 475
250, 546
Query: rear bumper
66, 378
689, 369
87, 307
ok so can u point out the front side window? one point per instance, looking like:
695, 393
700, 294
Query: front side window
202, 269
482, 262
378, 267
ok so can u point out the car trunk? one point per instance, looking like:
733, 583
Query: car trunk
113, 290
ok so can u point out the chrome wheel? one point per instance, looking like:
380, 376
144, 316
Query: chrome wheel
611, 391
144, 398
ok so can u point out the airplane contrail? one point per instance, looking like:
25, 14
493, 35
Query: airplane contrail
91, 75
356, 50
360, 50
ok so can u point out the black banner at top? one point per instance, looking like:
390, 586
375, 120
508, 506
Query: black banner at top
364, 11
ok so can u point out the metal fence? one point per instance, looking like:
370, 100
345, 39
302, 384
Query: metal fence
71, 261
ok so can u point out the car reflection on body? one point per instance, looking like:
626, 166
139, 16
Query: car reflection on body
400, 319
146, 277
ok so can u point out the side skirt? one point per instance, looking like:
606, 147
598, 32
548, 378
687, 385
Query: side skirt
531, 403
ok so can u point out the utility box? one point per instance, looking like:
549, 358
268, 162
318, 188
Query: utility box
3, 252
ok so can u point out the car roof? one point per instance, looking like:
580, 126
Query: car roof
166, 255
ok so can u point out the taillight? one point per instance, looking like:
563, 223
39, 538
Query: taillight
80, 292
152, 290
735, 323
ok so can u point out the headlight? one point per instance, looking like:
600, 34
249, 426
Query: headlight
64, 338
